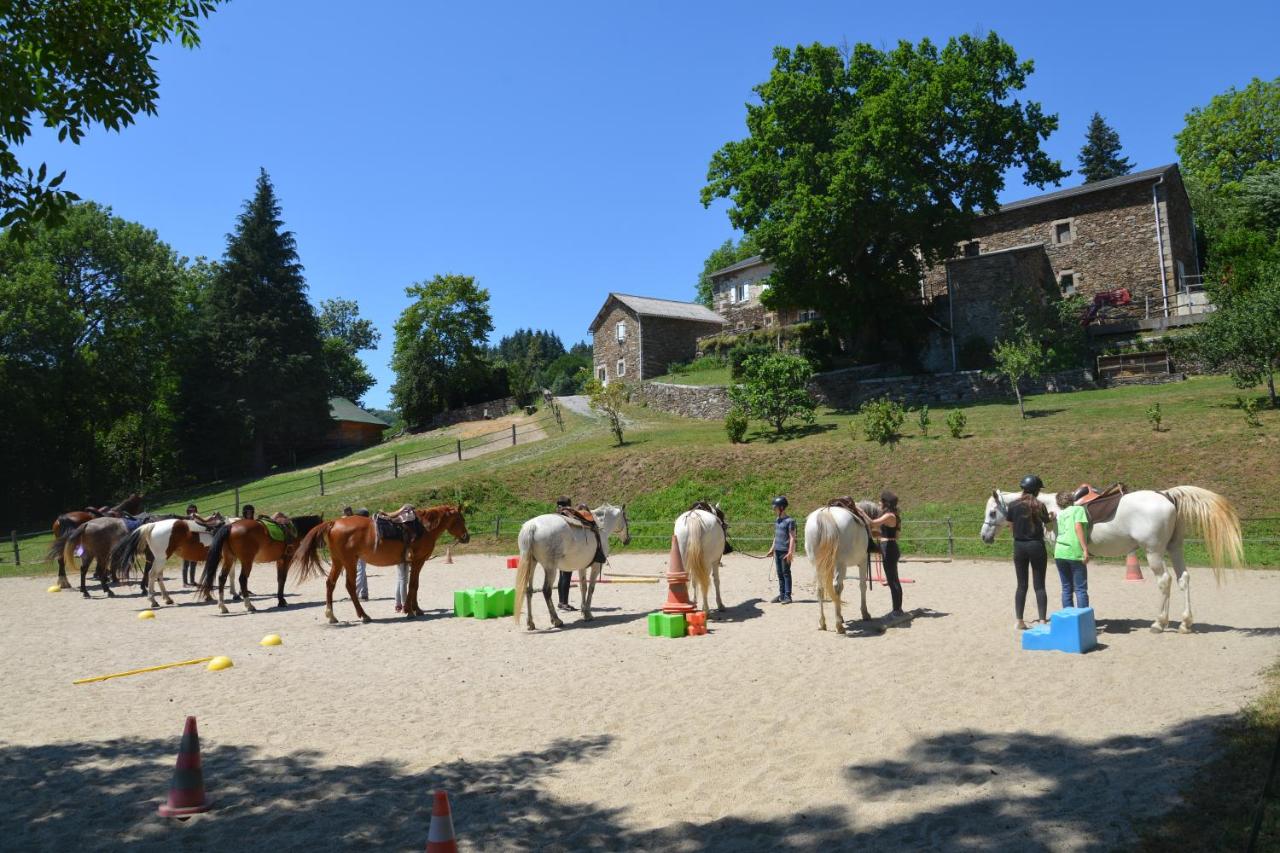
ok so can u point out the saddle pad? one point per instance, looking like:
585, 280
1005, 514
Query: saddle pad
1103, 508
389, 529
274, 530
132, 524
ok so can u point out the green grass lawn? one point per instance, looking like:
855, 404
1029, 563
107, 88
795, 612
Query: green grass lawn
716, 376
667, 462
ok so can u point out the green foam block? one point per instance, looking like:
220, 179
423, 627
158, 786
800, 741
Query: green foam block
667, 625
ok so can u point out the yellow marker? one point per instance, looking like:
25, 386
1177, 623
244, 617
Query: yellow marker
147, 614
54, 588
220, 662
270, 640
144, 669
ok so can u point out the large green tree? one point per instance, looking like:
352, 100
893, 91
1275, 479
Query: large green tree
345, 334
1236, 133
1243, 333
439, 356
74, 65
860, 172
258, 387
1100, 157
91, 312
726, 254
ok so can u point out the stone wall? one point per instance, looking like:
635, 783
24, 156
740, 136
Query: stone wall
708, 402
475, 412
608, 351
666, 340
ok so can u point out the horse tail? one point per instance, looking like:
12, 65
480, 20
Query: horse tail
1216, 519
69, 545
824, 560
62, 528
306, 558
126, 550
211, 562
694, 562
524, 573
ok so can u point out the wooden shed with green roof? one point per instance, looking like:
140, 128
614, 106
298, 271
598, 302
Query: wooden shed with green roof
352, 426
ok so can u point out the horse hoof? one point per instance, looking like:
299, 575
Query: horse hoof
86, 595
366, 619
587, 617
222, 608
840, 629
1184, 629
167, 601
1157, 628
558, 623
282, 604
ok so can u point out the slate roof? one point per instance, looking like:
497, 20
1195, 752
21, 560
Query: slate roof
647, 306
1085, 189
342, 409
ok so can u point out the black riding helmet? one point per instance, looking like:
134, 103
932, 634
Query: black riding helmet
1031, 484
780, 502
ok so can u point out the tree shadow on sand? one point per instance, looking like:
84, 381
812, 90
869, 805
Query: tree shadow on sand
1054, 790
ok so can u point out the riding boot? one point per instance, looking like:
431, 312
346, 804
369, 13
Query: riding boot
728, 548
599, 557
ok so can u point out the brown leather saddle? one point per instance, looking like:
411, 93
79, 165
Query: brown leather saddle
847, 502
403, 525
1100, 507
707, 506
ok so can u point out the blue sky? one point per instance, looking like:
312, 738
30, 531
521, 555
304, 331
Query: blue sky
555, 151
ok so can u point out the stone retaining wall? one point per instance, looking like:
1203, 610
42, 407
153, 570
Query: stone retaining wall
475, 412
708, 402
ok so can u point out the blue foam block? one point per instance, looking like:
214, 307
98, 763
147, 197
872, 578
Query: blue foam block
1071, 629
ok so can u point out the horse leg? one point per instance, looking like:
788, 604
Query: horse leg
715, 575
1184, 584
411, 608
350, 574
596, 570
547, 573
864, 582
1155, 561
222, 582
528, 596
282, 572
246, 566
838, 602
822, 607
584, 587
330, 581
106, 578
63, 582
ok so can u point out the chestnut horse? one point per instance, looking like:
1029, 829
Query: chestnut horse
248, 541
351, 538
64, 525
159, 541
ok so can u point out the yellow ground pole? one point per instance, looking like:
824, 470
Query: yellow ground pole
144, 669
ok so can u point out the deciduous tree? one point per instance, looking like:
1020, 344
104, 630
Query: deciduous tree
346, 333
1019, 357
726, 254
774, 388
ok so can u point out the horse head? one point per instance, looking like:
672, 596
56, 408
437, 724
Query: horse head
448, 516
613, 520
996, 514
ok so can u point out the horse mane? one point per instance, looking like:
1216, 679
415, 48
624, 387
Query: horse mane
304, 523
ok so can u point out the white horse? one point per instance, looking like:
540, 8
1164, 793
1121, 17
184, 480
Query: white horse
158, 541
1157, 522
834, 539
700, 539
551, 541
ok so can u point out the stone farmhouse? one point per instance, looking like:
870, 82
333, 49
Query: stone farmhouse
637, 337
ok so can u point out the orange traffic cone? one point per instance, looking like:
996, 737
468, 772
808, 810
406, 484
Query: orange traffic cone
1132, 572
677, 583
440, 837
186, 791
448, 556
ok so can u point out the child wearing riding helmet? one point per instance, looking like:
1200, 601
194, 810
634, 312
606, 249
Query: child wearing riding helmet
1027, 516
784, 548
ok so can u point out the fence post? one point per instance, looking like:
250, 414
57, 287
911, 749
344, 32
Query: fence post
321, 472
237, 512
497, 527
513, 435
17, 554
459, 450
395, 463
951, 543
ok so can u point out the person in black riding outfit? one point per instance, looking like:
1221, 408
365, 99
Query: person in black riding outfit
1027, 516
889, 523
565, 579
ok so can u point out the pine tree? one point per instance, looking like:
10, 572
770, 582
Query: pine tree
1100, 157
261, 383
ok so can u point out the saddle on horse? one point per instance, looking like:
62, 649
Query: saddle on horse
280, 528
1100, 507
403, 525
707, 506
847, 502
584, 518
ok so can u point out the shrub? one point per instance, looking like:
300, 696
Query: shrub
773, 389
609, 400
922, 418
956, 422
677, 368
735, 424
739, 355
881, 420
1250, 408
1155, 416
706, 362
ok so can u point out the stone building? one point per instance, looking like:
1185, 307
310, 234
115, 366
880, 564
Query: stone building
638, 337
735, 294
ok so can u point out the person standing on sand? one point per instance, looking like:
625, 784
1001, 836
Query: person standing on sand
888, 525
1027, 517
565, 579
362, 576
784, 548
1071, 553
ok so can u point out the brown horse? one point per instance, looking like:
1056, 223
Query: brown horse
66, 523
159, 541
248, 541
96, 538
352, 538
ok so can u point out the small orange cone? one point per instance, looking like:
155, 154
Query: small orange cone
1132, 572
440, 837
448, 556
186, 791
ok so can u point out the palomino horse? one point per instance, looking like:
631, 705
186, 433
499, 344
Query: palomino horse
96, 538
550, 540
353, 538
248, 541
700, 539
160, 540
1157, 522
65, 524
834, 538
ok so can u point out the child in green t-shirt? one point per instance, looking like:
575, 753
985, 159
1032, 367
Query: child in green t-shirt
1071, 554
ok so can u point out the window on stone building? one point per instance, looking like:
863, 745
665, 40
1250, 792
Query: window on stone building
622, 367
1063, 231
1067, 281
768, 319
601, 373
622, 331
972, 249
741, 291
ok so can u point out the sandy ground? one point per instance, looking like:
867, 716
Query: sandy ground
764, 735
